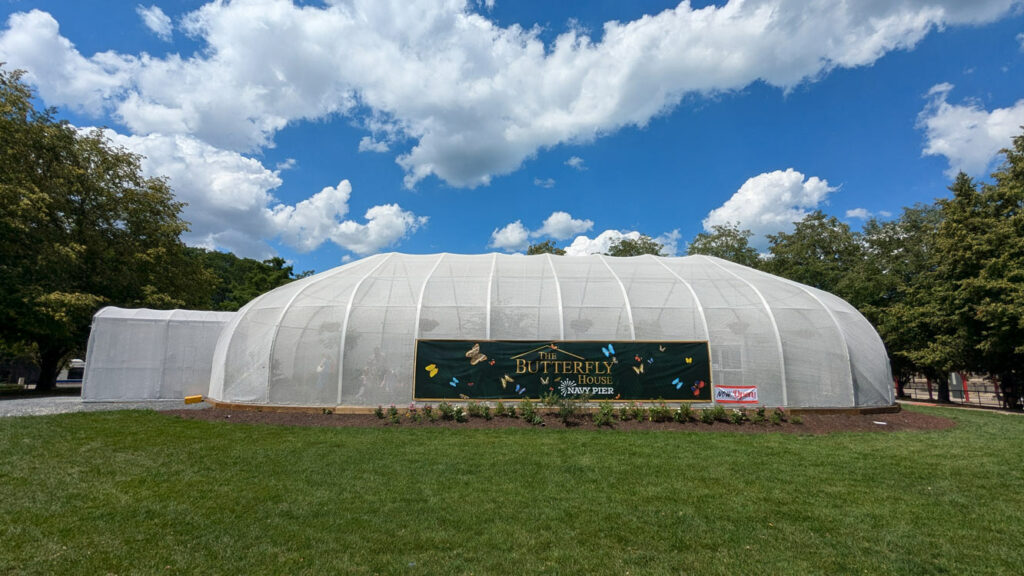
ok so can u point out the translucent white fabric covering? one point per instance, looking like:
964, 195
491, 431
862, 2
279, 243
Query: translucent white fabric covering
347, 336
142, 354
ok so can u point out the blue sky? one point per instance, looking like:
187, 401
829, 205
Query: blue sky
323, 132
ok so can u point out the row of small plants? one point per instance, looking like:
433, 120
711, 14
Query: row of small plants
571, 410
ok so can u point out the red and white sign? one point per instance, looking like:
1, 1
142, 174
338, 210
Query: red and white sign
736, 394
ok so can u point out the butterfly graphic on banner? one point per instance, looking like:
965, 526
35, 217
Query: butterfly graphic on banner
432, 370
506, 380
454, 382
697, 386
474, 355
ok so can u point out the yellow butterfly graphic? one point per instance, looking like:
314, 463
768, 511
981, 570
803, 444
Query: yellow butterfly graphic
505, 380
638, 369
432, 369
546, 380
689, 360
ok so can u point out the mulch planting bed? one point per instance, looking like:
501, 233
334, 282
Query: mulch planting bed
812, 423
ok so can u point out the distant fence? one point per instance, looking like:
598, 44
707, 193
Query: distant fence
976, 390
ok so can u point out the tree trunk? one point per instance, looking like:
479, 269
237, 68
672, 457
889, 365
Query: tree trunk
49, 366
900, 392
1011, 390
943, 382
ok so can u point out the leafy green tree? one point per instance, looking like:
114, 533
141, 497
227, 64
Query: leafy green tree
80, 228
726, 241
545, 247
821, 252
980, 276
891, 280
638, 247
239, 280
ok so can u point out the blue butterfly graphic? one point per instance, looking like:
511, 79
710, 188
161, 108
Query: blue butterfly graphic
608, 350
678, 383
454, 382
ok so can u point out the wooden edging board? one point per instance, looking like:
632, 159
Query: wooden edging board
544, 409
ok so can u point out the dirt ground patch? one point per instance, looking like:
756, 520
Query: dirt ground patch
811, 423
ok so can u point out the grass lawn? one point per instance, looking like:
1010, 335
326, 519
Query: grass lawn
139, 492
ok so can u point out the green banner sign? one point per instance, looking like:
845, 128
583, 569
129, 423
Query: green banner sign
506, 370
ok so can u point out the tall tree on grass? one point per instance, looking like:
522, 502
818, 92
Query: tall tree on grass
891, 283
726, 241
821, 252
80, 227
980, 275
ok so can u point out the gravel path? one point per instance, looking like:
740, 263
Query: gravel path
67, 404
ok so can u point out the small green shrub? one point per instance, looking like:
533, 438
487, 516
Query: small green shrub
637, 412
499, 409
570, 408
460, 415
379, 412
707, 416
796, 419
660, 412
775, 418
429, 414
758, 416
529, 412
510, 411
781, 413
327, 411
551, 399
719, 414
475, 409
625, 413
684, 414
447, 411
605, 415
737, 416
393, 415
486, 413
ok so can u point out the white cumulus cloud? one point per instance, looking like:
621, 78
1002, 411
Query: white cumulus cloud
157, 22
770, 203
561, 225
231, 203
583, 245
511, 238
967, 135
859, 213
471, 98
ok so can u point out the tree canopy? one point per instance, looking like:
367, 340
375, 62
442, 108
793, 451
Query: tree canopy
726, 241
545, 247
80, 227
637, 247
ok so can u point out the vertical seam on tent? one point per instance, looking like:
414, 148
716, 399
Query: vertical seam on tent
558, 292
625, 296
490, 284
419, 303
280, 320
700, 307
842, 336
344, 323
775, 325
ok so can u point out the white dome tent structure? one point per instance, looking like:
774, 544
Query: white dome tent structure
142, 354
349, 336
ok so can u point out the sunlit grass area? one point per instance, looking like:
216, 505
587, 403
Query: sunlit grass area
141, 492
